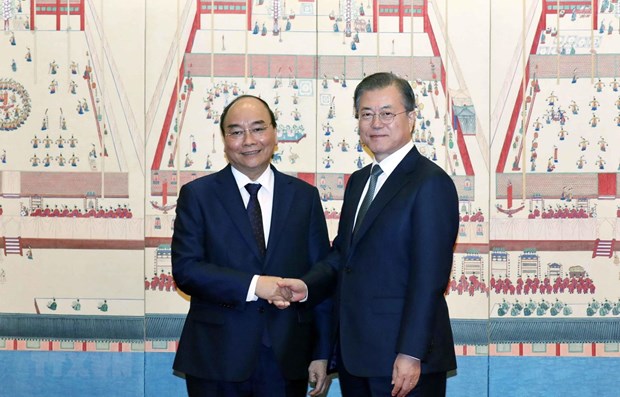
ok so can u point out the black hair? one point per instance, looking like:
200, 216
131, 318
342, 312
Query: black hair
381, 80
227, 108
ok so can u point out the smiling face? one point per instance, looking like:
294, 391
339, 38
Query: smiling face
249, 152
380, 137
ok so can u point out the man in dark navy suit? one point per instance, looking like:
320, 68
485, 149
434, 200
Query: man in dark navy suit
237, 232
392, 257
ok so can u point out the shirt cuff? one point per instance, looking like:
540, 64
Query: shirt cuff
252, 290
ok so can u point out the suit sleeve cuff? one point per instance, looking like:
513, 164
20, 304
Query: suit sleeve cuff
251, 297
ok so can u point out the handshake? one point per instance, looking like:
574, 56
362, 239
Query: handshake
281, 291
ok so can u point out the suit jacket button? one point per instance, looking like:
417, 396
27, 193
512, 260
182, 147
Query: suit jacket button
348, 269
261, 310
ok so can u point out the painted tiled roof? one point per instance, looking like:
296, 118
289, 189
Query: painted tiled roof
54, 327
168, 327
164, 326
469, 332
548, 330
99, 328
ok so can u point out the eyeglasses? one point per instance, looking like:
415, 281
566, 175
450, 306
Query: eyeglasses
385, 117
238, 133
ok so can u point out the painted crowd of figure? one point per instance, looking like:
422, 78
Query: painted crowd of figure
522, 286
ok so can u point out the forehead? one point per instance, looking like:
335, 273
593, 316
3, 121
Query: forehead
247, 110
380, 98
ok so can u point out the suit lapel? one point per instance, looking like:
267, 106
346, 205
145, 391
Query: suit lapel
390, 188
349, 208
229, 196
283, 198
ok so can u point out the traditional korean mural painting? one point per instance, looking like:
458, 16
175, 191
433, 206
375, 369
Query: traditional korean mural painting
108, 107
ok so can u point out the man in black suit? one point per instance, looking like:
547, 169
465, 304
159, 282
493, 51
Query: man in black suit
392, 257
228, 259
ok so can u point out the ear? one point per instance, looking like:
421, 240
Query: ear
411, 119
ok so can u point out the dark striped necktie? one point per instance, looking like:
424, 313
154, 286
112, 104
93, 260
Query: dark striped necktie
256, 216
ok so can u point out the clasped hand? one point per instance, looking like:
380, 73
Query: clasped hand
281, 291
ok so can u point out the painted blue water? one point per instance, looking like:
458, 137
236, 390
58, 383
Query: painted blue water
67, 374
554, 376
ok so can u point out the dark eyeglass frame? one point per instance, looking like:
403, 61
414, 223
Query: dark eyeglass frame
385, 117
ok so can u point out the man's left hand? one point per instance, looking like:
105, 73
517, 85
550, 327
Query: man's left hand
405, 374
317, 377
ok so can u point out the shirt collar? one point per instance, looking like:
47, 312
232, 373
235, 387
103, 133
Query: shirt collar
266, 179
389, 163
